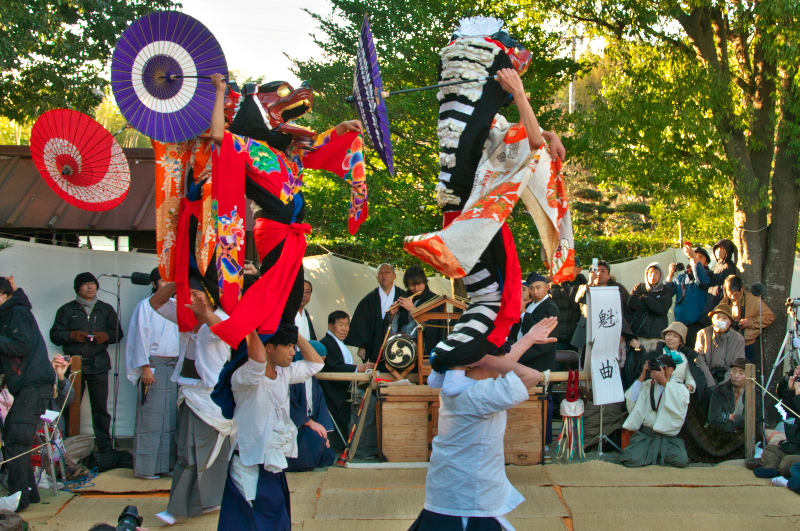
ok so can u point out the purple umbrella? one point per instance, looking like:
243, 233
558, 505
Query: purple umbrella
368, 96
159, 75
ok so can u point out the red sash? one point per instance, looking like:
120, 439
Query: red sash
263, 304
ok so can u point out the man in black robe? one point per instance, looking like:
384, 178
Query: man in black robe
373, 317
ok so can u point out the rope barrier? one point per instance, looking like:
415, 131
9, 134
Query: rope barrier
780, 402
71, 382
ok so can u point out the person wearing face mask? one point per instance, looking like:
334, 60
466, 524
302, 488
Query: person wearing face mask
648, 305
718, 346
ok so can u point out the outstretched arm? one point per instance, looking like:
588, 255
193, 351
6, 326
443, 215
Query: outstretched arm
537, 335
511, 82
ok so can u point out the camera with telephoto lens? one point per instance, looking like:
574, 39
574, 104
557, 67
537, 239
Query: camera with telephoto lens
129, 520
654, 365
793, 303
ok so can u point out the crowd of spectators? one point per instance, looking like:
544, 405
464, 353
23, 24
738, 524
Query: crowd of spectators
684, 380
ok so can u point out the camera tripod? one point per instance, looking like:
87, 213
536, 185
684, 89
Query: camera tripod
789, 347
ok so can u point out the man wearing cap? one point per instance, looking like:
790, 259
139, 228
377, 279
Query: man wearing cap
203, 431
85, 327
726, 412
657, 410
151, 355
310, 414
691, 291
718, 346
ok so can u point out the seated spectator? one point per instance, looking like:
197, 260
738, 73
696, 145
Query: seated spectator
691, 291
648, 306
657, 409
727, 256
631, 356
601, 278
310, 414
792, 482
416, 281
64, 397
339, 359
750, 314
718, 346
569, 310
778, 459
719, 434
674, 345
728, 399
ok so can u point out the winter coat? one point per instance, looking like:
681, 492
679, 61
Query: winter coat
71, 317
569, 311
723, 404
749, 307
23, 352
722, 270
648, 307
691, 294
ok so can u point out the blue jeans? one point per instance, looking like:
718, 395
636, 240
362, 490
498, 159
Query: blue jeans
794, 481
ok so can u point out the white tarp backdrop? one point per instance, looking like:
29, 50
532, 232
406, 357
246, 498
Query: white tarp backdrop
603, 329
46, 272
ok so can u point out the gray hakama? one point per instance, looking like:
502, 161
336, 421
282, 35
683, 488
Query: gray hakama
154, 450
650, 448
195, 489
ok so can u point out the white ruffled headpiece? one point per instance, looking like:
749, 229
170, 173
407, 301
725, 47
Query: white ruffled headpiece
479, 26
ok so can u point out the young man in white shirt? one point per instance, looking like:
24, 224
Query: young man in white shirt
466, 486
256, 493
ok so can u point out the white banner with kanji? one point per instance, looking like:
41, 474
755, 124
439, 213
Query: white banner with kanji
603, 330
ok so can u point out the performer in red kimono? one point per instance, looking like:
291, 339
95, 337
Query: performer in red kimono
263, 156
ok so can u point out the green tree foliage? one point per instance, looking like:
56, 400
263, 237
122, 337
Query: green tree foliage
702, 108
55, 53
409, 35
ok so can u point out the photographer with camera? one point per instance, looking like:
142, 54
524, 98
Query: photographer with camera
657, 409
691, 290
750, 314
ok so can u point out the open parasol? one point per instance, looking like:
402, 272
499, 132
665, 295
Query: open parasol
159, 75
368, 96
80, 160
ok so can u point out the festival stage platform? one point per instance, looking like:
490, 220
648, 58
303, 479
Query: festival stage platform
593, 495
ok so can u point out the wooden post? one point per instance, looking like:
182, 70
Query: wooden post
750, 411
75, 408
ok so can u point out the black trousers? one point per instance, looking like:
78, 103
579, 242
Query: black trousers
97, 384
19, 431
430, 521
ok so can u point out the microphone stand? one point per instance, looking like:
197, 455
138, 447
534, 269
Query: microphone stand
116, 361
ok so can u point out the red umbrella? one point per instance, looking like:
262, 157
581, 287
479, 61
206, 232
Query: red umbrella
80, 160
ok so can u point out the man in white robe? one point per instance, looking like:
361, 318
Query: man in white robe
466, 483
203, 431
151, 354
657, 410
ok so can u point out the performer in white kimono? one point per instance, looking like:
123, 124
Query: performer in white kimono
466, 486
256, 493
203, 432
657, 410
151, 354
